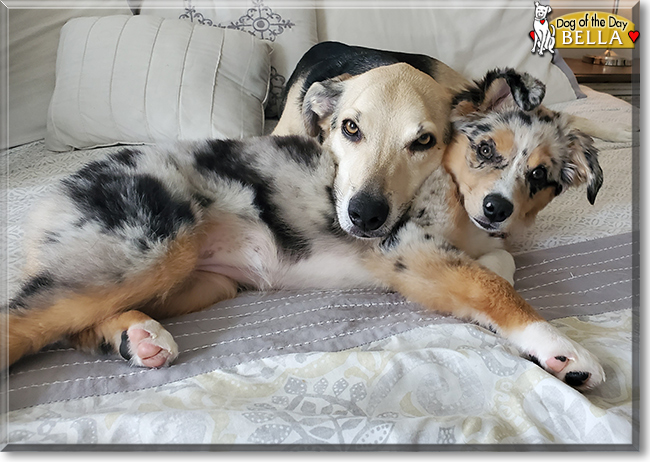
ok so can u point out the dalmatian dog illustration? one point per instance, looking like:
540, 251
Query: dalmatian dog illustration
544, 32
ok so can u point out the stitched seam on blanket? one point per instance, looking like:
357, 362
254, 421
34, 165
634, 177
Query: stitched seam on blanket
555, 270
304, 326
581, 291
281, 299
627, 268
585, 304
580, 254
285, 316
343, 334
331, 321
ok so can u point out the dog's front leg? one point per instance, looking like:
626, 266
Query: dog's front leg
451, 282
500, 262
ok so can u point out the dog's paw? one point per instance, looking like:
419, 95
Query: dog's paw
620, 133
148, 344
561, 356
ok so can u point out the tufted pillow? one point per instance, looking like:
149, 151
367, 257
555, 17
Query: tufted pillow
145, 79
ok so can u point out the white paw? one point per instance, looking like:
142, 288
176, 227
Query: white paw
617, 132
560, 356
501, 263
148, 344
620, 132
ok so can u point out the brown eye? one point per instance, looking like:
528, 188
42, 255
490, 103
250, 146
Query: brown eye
485, 150
351, 130
423, 142
538, 174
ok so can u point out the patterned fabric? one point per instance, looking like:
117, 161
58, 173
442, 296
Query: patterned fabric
445, 384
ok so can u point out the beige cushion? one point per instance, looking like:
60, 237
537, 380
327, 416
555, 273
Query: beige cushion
145, 79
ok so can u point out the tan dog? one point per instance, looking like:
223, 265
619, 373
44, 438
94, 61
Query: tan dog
386, 129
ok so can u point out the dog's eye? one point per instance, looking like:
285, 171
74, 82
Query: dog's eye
424, 142
485, 150
351, 130
538, 175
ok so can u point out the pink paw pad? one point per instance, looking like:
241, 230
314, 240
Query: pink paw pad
134, 341
557, 363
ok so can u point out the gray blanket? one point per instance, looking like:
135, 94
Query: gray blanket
591, 277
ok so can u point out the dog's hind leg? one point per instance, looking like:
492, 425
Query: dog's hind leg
450, 282
134, 335
48, 309
144, 341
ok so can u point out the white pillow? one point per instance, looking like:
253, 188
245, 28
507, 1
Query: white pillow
145, 79
290, 31
469, 40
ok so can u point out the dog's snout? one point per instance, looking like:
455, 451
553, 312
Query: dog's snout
368, 212
497, 208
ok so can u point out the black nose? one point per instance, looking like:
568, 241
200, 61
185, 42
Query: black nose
497, 208
368, 212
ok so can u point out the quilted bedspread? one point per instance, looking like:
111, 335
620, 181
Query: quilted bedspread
360, 368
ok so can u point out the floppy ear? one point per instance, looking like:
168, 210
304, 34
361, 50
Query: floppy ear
319, 102
582, 165
548, 9
498, 88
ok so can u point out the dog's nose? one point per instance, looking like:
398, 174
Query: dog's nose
368, 212
497, 208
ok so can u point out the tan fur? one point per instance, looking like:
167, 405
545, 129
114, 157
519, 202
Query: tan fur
457, 286
291, 121
165, 286
388, 104
392, 106
505, 143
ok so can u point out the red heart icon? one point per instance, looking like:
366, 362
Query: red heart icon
634, 34
543, 21
532, 34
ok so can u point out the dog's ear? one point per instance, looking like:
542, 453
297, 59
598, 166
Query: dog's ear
582, 165
548, 9
319, 102
498, 88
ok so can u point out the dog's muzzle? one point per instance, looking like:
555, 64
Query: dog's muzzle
368, 213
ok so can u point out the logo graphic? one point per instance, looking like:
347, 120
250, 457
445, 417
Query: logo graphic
585, 29
543, 33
